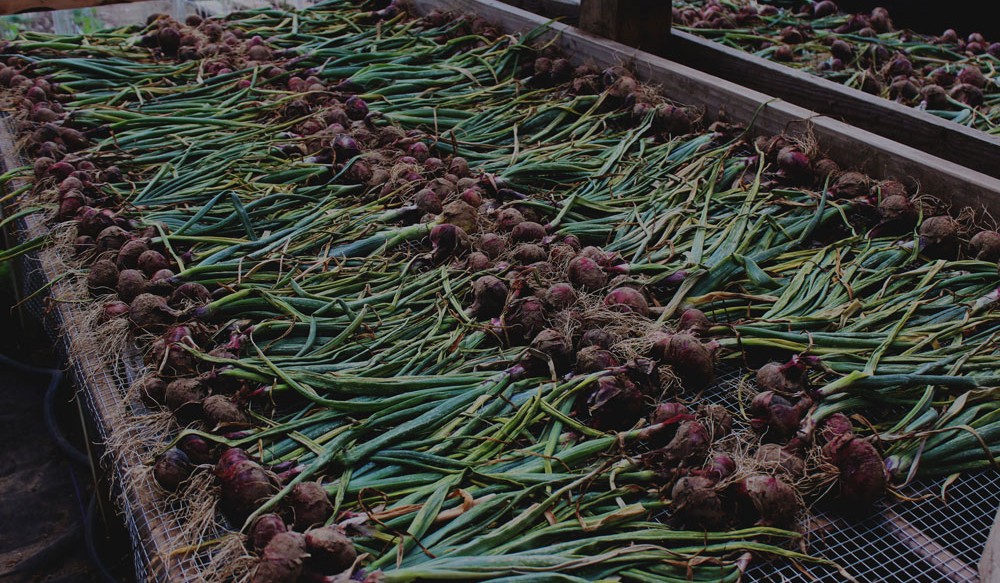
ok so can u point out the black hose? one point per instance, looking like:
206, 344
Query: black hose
49, 408
89, 537
89, 541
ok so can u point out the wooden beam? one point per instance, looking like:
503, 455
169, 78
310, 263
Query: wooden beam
989, 562
643, 24
848, 145
19, 6
969, 147
963, 145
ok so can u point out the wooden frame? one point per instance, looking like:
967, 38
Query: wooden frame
644, 24
19, 6
876, 155
907, 125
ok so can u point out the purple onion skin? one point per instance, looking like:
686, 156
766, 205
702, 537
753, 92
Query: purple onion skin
697, 505
171, 469
615, 404
776, 417
628, 300
767, 501
689, 446
264, 529
863, 478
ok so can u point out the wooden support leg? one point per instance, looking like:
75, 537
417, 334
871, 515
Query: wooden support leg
644, 24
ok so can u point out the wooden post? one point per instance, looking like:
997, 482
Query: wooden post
644, 24
989, 563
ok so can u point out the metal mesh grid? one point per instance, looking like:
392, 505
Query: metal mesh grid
931, 540
926, 539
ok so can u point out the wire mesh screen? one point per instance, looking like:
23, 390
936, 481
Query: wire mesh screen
935, 535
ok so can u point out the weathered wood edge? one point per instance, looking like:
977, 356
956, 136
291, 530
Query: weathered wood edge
851, 146
963, 145
19, 6
957, 143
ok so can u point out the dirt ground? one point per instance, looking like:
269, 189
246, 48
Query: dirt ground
46, 519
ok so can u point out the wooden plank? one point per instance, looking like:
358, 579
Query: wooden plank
850, 146
969, 147
989, 563
963, 145
643, 24
19, 6
567, 11
949, 567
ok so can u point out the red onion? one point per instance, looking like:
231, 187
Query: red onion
694, 321
530, 254
670, 412
615, 404
862, 478
834, 426
985, 246
593, 359
689, 446
151, 261
150, 312
776, 416
221, 412
695, 504
113, 310
785, 379
526, 318
560, 296
172, 468
628, 300
586, 274
492, 245
774, 457
939, 237
355, 108
102, 277
310, 505
264, 528
527, 232
490, 296
111, 239
130, 284
842, 50
330, 550
691, 360
768, 500
244, 485
197, 449
183, 392
189, 292
967, 93
461, 214
128, 255
719, 467
597, 337
282, 560
345, 147
716, 419
83, 245
508, 218
795, 164
152, 391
